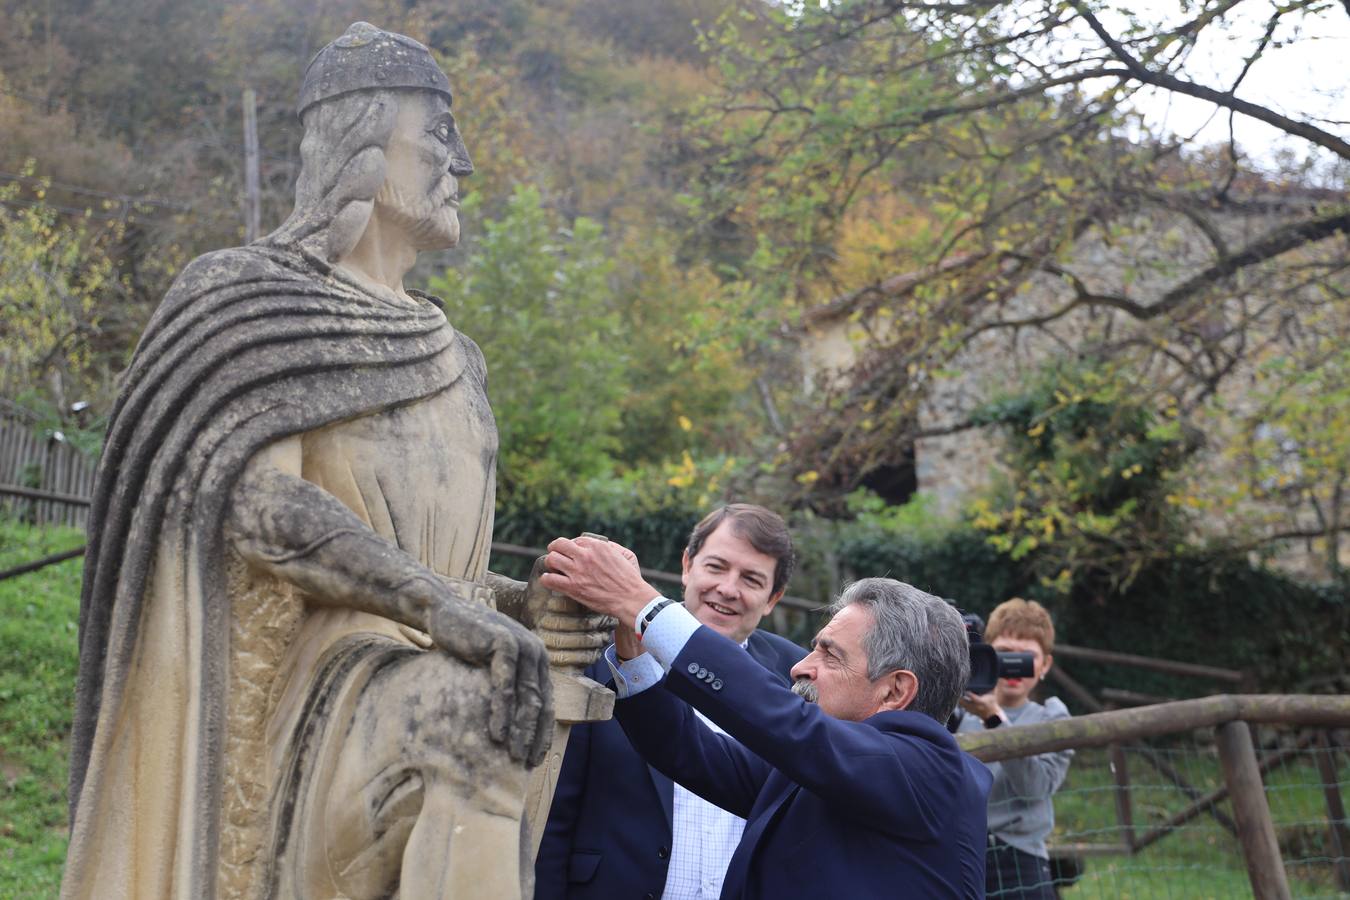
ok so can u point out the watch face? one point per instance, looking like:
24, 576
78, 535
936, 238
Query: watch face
993, 722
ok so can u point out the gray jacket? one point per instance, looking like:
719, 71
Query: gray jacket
1021, 812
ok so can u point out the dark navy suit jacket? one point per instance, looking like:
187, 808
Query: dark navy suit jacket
888, 807
609, 830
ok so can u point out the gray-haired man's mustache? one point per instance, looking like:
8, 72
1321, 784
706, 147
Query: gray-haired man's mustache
806, 689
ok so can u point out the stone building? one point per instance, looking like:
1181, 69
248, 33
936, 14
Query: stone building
1145, 258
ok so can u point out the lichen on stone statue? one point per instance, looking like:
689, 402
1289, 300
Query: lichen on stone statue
294, 681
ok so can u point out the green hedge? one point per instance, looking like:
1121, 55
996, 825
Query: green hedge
656, 536
1215, 610
960, 566
1221, 611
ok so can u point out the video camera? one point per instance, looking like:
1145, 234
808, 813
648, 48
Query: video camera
988, 665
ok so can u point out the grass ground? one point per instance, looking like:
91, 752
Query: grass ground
1200, 859
38, 649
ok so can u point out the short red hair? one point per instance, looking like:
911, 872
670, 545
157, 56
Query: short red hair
1025, 620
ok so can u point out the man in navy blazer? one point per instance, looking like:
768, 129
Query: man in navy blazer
617, 825
850, 782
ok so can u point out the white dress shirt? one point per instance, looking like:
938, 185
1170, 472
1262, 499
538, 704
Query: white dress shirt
705, 836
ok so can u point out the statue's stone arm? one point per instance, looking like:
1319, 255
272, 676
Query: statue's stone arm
510, 595
293, 529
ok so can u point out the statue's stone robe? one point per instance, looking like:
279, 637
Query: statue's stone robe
188, 658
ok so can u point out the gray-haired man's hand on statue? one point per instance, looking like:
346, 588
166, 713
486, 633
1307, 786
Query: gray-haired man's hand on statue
601, 575
573, 634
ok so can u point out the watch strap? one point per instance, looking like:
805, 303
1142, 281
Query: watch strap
642, 623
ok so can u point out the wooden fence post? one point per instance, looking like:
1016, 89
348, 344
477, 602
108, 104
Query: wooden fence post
1124, 812
1337, 831
1256, 831
252, 181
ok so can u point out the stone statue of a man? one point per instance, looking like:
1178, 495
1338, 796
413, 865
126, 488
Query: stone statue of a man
294, 504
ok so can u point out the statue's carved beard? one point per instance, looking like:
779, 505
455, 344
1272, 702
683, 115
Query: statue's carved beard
428, 220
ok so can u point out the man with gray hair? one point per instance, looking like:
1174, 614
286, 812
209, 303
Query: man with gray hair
850, 782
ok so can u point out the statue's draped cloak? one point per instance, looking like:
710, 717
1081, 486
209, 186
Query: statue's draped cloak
250, 346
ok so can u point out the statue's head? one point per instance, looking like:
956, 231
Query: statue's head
379, 135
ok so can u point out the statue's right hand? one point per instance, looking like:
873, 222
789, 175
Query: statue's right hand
521, 701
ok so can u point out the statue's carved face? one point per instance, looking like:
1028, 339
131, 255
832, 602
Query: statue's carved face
425, 153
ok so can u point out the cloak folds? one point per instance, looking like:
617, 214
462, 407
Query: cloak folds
249, 346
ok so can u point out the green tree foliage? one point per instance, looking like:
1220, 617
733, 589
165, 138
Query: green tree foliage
1007, 131
853, 124
57, 283
536, 297
1191, 603
1092, 471
605, 362
573, 99
693, 383
1295, 460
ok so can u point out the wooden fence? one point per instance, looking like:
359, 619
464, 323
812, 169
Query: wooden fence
43, 474
1232, 718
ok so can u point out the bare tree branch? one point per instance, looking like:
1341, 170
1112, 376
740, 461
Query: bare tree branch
1280, 240
1170, 82
1293, 534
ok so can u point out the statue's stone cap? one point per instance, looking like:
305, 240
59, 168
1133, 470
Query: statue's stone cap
369, 58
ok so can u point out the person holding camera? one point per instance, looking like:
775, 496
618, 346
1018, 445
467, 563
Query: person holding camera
1021, 811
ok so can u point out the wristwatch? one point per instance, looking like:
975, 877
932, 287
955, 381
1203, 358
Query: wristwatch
641, 626
993, 721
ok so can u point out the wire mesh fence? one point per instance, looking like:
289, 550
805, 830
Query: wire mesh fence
1155, 819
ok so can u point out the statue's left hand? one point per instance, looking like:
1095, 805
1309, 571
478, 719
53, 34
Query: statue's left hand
521, 704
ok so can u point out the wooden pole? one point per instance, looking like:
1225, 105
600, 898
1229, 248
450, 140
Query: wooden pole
1076, 689
1256, 831
41, 563
252, 181
1151, 756
1118, 698
1128, 725
1166, 666
15, 490
1124, 813
1337, 829
1206, 803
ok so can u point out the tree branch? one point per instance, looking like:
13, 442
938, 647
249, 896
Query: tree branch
933, 114
1278, 241
1226, 100
1294, 534
945, 430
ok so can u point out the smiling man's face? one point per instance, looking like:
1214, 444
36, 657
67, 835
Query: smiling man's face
728, 585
